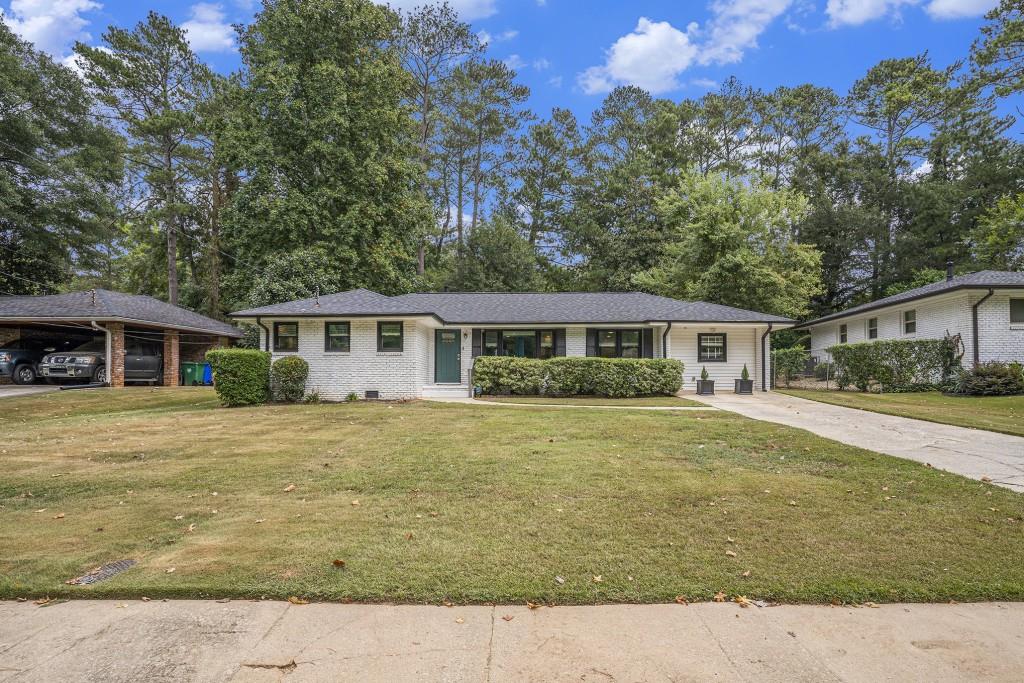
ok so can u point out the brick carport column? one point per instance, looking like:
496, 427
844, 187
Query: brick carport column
115, 373
171, 351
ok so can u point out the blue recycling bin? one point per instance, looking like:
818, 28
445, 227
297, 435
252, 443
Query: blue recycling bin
207, 374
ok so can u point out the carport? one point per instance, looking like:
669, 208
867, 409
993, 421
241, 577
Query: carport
185, 334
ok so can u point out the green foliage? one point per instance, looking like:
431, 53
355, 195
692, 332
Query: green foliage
745, 374
732, 243
352, 397
241, 377
990, 379
288, 379
297, 274
896, 364
574, 376
920, 278
824, 371
788, 363
999, 237
59, 172
313, 398
324, 143
496, 258
704, 373
999, 54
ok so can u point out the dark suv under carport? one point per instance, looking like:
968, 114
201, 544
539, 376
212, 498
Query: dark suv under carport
143, 362
19, 359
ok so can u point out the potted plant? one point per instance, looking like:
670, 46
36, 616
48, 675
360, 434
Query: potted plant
744, 385
705, 386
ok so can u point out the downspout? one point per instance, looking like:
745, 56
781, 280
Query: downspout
108, 360
764, 361
266, 334
974, 325
664, 340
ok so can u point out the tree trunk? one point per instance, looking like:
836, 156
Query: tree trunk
170, 219
216, 200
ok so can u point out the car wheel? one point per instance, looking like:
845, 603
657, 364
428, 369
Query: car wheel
24, 374
100, 375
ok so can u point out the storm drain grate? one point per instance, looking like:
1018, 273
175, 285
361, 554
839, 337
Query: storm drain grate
102, 573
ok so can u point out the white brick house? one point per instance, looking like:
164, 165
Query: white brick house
985, 308
420, 345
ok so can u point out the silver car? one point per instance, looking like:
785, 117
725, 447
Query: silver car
143, 362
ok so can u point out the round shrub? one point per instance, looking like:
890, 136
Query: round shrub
240, 376
288, 379
990, 379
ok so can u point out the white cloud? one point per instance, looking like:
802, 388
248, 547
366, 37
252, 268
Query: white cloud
555, 81
486, 38
468, 10
514, 62
541, 64
51, 25
959, 9
735, 26
207, 31
857, 12
651, 57
705, 83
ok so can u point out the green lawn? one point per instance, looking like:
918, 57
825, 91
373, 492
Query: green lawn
427, 502
995, 413
649, 401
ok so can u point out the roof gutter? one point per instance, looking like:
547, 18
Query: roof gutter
108, 360
764, 360
664, 340
266, 333
974, 324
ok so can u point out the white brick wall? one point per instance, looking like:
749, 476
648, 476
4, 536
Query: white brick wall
936, 317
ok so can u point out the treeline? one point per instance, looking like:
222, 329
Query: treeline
357, 147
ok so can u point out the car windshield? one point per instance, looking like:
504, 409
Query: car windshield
97, 345
16, 344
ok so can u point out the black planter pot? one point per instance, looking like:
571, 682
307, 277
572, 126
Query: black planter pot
744, 386
705, 387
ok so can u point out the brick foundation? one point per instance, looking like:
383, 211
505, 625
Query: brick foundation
172, 349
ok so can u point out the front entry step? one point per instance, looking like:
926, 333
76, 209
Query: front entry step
445, 391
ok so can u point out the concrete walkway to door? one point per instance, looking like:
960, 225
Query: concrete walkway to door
973, 453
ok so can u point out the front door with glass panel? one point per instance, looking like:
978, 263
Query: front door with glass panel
447, 357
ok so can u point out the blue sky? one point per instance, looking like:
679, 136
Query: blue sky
571, 52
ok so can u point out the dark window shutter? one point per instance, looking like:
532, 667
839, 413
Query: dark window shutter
477, 341
559, 342
648, 343
591, 342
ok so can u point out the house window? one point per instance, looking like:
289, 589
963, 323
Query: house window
606, 344
336, 336
615, 343
843, 336
872, 328
491, 342
629, 343
910, 322
286, 336
1017, 311
389, 336
711, 348
519, 343
546, 344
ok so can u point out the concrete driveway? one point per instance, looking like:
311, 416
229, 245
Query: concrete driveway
131, 640
973, 453
13, 390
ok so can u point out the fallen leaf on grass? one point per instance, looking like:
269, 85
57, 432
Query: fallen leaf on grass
742, 601
59, 515
533, 605
730, 553
559, 580
191, 528
171, 570
745, 574
409, 536
681, 600
289, 488
338, 563
729, 539
793, 503
40, 510
260, 520
178, 517
296, 600
719, 596
597, 579
355, 502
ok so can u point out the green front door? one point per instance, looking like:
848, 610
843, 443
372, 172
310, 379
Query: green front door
447, 357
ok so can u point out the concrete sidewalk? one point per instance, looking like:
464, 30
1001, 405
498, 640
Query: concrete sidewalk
272, 641
974, 453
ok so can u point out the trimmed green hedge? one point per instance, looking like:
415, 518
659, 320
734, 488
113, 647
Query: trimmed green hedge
897, 364
575, 376
288, 379
241, 377
990, 379
788, 363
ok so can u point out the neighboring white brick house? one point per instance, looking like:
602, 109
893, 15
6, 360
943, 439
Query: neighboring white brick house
994, 298
470, 324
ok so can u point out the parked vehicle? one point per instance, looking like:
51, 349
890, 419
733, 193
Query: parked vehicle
143, 362
19, 359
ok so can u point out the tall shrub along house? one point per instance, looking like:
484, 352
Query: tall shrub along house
423, 345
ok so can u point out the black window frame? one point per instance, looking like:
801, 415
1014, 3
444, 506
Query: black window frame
556, 333
872, 331
328, 335
380, 336
844, 333
278, 336
701, 358
1020, 302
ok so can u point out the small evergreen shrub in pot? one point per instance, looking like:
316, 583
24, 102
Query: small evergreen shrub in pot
744, 385
288, 379
705, 386
241, 377
990, 379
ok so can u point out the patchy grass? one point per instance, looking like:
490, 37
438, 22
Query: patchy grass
477, 504
995, 413
648, 401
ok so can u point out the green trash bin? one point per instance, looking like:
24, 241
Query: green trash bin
191, 374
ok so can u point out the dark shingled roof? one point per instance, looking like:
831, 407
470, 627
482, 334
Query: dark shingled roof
481, 308
129, 308
983, 279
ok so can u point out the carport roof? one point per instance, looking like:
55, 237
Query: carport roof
104, 305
